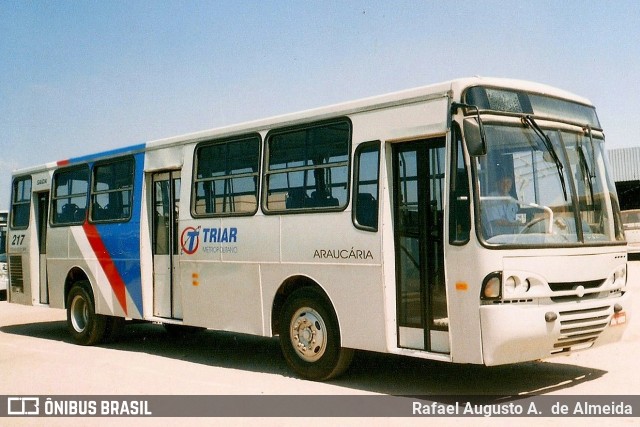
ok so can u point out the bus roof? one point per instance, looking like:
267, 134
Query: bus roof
455, 87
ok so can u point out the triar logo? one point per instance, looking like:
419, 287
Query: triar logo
190, 240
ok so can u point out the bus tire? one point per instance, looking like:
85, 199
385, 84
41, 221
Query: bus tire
86, 327
310, 336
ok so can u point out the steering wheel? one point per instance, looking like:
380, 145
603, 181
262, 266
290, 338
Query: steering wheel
561, 224
527, 228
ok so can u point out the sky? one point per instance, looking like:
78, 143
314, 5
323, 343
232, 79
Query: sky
78, 77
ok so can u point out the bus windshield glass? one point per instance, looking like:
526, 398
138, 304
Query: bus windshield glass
541, 186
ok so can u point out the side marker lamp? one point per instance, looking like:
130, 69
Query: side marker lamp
492, 286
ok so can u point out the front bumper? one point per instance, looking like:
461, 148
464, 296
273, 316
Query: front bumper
520, 332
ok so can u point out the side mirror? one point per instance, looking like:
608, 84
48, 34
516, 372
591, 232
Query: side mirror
473, 131
475, 137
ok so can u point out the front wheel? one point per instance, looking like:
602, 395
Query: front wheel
310, 337
86, 327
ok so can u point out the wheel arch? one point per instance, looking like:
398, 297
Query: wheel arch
286, 289
75, 276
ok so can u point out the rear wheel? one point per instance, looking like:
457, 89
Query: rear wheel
86, 327
310, 336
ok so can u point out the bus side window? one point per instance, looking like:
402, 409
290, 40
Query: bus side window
21, 203
112, 190
226, 180
366, 177
69, 200
307, 168
296, 198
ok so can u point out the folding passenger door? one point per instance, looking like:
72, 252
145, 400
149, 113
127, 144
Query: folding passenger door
419, 185
167, 291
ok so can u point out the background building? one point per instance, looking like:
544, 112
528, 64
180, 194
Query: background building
625, 166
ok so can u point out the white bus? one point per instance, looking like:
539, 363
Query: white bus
4, 276
473, 221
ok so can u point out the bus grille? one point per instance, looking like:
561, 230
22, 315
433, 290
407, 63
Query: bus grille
580, 328
15, 273
568, 286
571, 286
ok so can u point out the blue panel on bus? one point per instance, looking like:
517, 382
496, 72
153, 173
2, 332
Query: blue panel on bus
122, 243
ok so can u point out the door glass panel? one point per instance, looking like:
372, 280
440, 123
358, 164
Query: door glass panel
408, 241
162, 220
166, 274
175, 214
419, 185
435, 222
43, 210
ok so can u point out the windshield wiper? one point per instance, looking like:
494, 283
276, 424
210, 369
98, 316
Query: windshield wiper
587, 171
593, 152
528, 120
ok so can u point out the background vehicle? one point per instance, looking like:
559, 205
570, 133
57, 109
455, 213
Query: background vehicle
631, 221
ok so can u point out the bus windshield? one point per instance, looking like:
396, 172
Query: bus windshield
541, 186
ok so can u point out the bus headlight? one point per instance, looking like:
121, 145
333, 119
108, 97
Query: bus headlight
620, 276
510, 285
515, 286
491, 286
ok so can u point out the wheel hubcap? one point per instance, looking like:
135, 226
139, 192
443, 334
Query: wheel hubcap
308, 334
79, 314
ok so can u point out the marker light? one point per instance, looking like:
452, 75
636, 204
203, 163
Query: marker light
491, 286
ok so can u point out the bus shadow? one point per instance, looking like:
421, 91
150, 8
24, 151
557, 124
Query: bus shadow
397, 375
371, 372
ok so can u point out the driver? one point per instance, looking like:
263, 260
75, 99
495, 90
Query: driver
501, 213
